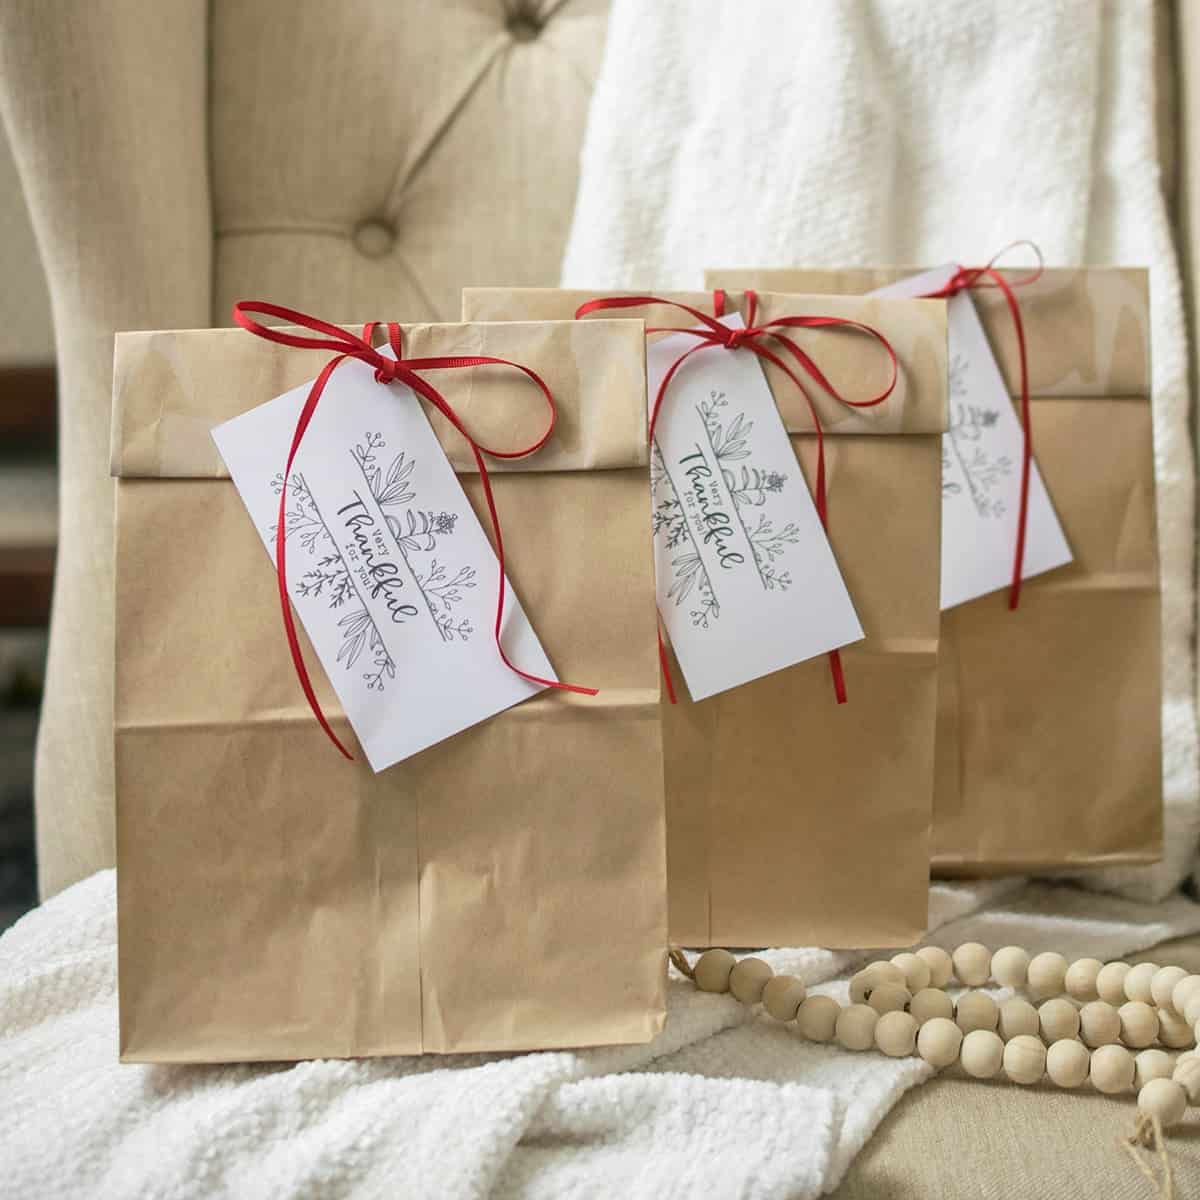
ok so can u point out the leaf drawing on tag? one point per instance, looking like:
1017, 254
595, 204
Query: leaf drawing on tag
750, 487
728, 443
982, 472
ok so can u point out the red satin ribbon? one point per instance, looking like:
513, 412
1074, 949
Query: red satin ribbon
963, 279
758, 339
387, 370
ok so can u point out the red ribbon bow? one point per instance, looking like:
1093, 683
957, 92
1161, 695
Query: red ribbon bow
759, 339
963, 279
387, 370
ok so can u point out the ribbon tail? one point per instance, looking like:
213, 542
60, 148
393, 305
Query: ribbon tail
838, 675
668, 683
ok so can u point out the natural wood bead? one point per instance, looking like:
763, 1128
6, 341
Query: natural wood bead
1024, 1059
1010, 966
1151, 1064
1059, 1019
1110, 983
1112, 1069
1187, 1075
916, 971
817, 1018
1099, 1024
982, 1053
711, 972
1174, 1031
1018, 1018
748, 978
1162, 986
1137, 982
855, 1028
1046, 974
931, 1002
889, 997
938, 1042
940, 964
783, 996
870, 977
1080, 980
976, 1010
1191, 1009
860, 986
1164, 1099
896, 1034
1183, 991
1139, 1024
972, 964
1067, 1063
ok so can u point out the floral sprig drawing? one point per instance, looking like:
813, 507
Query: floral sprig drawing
417, 531
750, 488
669, 522
981, 469
769, 544
331, 580
982, 472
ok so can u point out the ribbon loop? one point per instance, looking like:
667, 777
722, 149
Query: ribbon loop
768, 341
387, 369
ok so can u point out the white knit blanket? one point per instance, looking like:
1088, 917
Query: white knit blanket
721, 1104
785, 134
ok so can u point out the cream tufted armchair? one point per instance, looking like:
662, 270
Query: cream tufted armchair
360, 159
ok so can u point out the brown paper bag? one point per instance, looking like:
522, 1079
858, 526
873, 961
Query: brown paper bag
792, 820
502, 890
1049, 724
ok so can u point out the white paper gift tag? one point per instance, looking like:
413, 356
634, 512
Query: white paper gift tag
747, 583
389, 569
981, 464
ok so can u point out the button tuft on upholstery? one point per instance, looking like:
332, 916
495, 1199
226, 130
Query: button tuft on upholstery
523, 26
374, 237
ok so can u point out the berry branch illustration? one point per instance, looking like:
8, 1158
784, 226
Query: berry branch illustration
750, 488
982, 472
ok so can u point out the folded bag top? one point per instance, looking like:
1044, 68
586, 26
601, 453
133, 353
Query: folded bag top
915, 329
792, 820
277, 902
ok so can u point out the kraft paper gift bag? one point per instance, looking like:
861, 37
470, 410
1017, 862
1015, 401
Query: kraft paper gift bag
503, 889
1049, 724
791, 819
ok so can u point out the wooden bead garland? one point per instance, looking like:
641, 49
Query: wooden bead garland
1106, 1031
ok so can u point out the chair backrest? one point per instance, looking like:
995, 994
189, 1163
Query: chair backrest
360, 160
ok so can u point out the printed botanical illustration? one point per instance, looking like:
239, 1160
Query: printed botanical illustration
417, 534
965, 445
749, 487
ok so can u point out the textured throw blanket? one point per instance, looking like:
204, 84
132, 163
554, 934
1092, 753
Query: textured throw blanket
721, 1104
844, 134
732, 134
